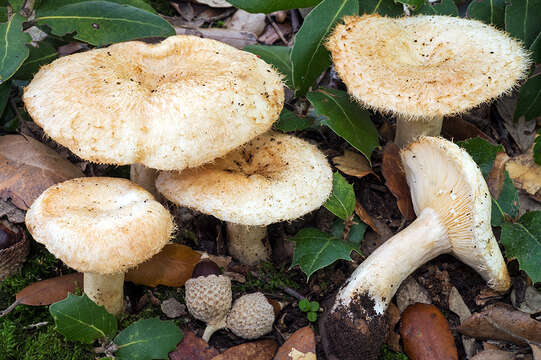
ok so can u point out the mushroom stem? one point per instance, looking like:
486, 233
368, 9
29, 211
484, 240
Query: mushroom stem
383, 271
408, 130
145, 177
360, 305
106, 290
212, 328
247, 243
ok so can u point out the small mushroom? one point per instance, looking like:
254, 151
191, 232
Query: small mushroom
251, 316
180, 103
422, 68
101, 227
453, 205
208, 296
274, 177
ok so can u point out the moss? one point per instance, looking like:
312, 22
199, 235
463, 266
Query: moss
162, 6
270, 279
387, 354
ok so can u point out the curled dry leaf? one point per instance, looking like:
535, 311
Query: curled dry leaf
303, 341
47, 292
170, 267
502, 322
525, 173
257, 350
459, 129
494, 355
352, 164
411, 292
395, 179
426, 334
28, 168
496, 177
366, 218
193, 348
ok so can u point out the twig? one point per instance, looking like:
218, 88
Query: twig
36, 325
285, 289
10, 308
277, 29
504, 330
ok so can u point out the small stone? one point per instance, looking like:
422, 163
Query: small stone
172, 308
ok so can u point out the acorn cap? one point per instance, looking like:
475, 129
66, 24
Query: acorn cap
208, 298
251, 316
444, 177
172, 105
274, 177
425, 66
99, 225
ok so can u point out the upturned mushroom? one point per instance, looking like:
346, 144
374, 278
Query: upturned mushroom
422, 68
274, 177
168, 106
101, 227
453, 205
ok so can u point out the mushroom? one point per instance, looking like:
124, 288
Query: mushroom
180, 103
453, 205
101, 227
274, 177
251, 316
422, 68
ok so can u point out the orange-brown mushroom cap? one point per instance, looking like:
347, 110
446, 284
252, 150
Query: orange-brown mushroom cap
172, 105
425, 66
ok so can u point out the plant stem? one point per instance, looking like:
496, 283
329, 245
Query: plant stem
248, 243
407, 130
106, 290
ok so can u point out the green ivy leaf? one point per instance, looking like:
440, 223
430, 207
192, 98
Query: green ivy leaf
147, 339
445, 7
412, 3
101, 22
522, 241
536, 49
537, 149
268, 6
346, 118
482, 152
315, 249
304, 305
79, 319
382, 7
39, 56
4, 96
309, 57
16, 4
48, 5
342, 200
529, 99
507, 205
289, 121
356, 230
278, 56
488, 11
522, 20
13, 49
3, 14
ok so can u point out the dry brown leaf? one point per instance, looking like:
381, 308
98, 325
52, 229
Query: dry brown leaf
411, 292
352, 164
525, 173
395, 179
172, 266
270, 36
257, 350
494, 355
235, 38
302, 340
393, 338
47, 292
193, 348
496, 176
459, 129
365, 217
536, 350
502, 322
426, 334
28, 168
459, 307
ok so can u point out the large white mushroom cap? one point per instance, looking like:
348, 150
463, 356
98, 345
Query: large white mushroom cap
99, 225
425, 66
444, 177
272, 178
172, 105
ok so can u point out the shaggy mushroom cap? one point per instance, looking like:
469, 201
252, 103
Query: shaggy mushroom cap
443, 177
425, 66
99, 225
176, 104
272, 178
